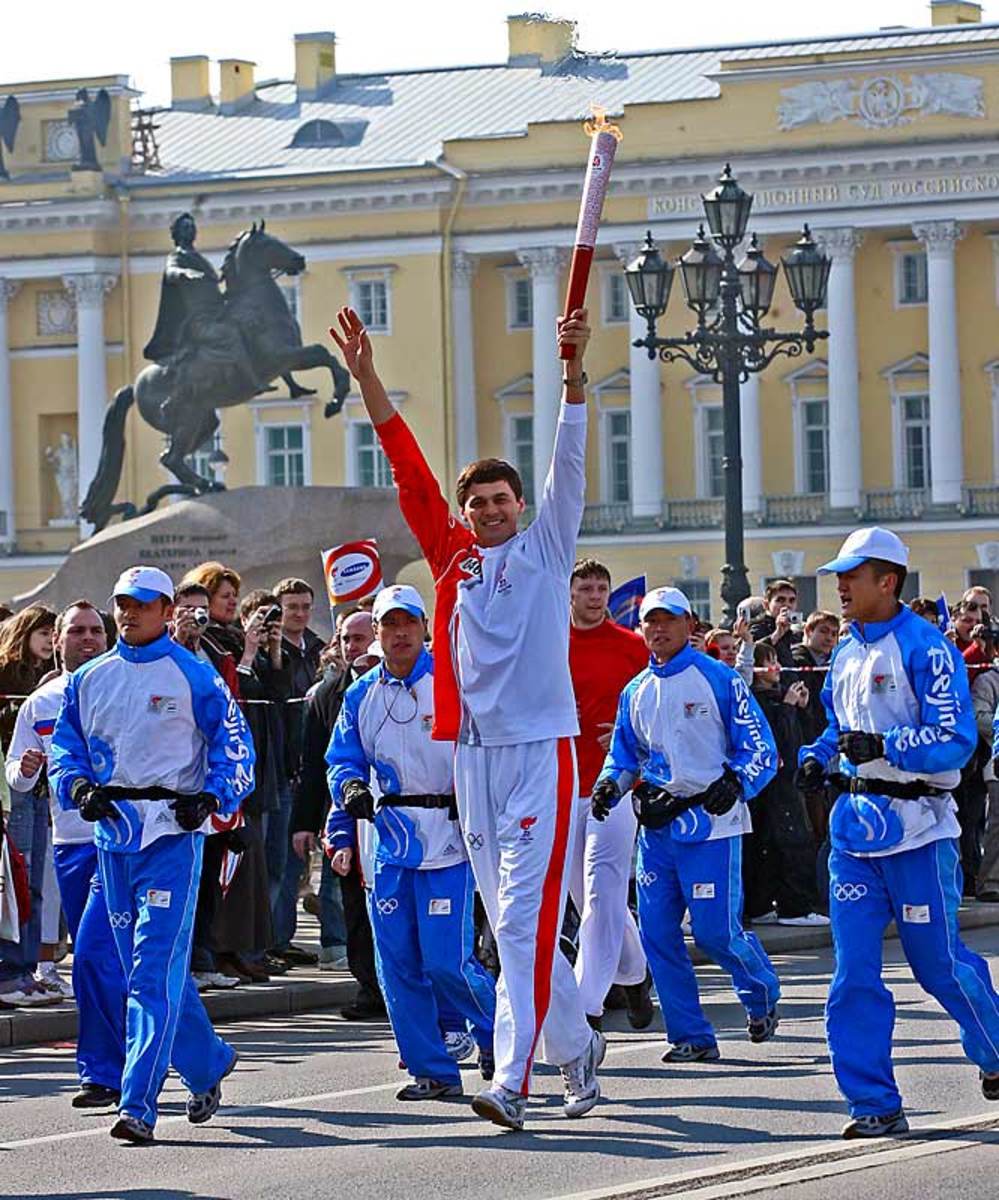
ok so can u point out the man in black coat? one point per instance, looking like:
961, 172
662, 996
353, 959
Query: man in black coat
312, 801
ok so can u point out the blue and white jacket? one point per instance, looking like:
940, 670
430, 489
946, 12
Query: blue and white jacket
679, 724
903, 679
384, 726
143, 716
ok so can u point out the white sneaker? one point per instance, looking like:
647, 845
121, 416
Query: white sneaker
28, 997
47, 975
769, 918
203, 980
812, 918
221, 980
501, 1106
582, 1089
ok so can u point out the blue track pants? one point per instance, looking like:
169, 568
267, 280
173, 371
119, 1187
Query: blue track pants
706, 878
921, 891
98, 980
151, 897
424, 938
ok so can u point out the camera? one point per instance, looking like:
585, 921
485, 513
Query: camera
273, 615
201, 617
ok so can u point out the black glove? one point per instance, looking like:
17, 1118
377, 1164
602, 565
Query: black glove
861, 747
358, 801
92, 801
810, 777
603, 798
654, 806
191, 812
723, 794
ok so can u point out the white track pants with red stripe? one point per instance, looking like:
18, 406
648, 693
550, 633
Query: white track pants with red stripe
517, 807
610, 950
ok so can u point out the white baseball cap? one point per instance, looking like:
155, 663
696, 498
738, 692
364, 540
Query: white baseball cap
399, 595
669, 598
144, 583
864, 544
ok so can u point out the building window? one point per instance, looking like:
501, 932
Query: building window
986, 578
522, 452
520, 303
372, 303
714, 450
915, 430
698, 592
617, 439
910, 589
204, 460
284, 455
615, 298
815, 445
912, 284
371, 467
291, 298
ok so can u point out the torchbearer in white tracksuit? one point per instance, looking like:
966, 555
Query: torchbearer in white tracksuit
502, 690
902, 723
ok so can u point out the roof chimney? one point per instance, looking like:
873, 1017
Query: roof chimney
536, 39
955, 12
235, 82
189, 84
315, 63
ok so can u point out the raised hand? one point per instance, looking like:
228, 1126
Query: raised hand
354, 344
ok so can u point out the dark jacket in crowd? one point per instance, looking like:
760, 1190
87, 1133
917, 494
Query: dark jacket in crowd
312, 794
762, 630
781, 851
304, 666
814, 719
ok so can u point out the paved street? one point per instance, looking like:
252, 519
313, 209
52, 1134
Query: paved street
311, 1111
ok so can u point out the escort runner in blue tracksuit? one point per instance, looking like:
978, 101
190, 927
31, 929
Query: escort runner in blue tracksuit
148, 744
98, 980
902, 723
693, 742
423, 890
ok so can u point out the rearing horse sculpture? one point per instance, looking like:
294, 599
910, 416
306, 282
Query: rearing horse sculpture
179, 396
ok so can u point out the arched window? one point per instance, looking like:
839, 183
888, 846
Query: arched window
317, 133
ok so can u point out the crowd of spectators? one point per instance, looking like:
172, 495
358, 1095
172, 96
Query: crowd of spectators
259, 869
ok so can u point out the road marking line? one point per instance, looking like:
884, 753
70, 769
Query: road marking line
243, 1110
799, 1166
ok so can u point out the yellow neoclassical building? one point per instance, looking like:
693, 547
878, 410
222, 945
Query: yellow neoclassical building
442, 204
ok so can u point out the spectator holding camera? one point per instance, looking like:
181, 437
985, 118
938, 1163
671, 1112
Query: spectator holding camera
813, 652
774, 626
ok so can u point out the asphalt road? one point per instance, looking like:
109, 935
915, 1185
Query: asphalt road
311, 1112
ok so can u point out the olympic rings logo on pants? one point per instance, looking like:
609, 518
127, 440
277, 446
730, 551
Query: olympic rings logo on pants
645, 878
847, 892
387, 907
120, 920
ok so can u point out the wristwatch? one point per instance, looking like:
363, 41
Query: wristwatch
581, 381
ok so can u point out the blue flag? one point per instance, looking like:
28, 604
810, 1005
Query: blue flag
943, 612
625, 601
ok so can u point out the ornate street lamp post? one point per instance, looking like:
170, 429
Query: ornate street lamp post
730, 343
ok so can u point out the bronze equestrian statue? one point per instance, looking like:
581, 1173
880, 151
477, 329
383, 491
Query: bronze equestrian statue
210, 349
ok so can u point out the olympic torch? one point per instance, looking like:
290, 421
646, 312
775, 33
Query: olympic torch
604, 138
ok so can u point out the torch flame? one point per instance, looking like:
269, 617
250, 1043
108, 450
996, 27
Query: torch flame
600, 124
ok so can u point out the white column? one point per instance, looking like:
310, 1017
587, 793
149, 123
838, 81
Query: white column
8, 533
88, 292
752, 455
463, 268
845, 464
946, 447
545, 265
647, 470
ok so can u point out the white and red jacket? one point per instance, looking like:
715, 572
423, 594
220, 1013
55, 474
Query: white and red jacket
503, 610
